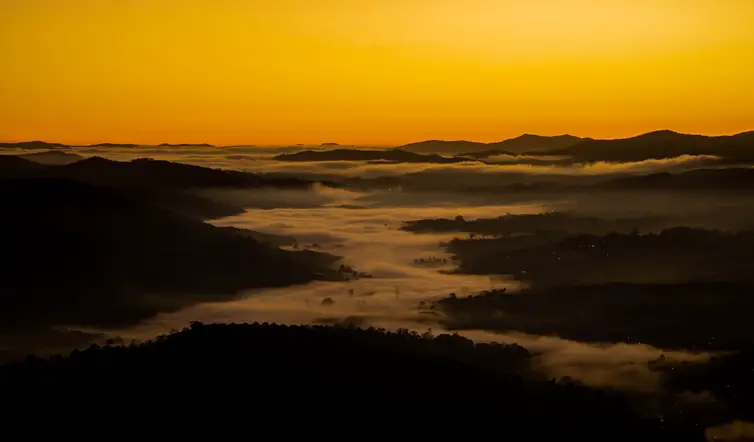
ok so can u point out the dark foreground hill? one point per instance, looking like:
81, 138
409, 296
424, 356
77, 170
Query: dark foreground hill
292, 379
75, 253
729, 377
12, 166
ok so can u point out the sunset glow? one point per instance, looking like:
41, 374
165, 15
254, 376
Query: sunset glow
371, 71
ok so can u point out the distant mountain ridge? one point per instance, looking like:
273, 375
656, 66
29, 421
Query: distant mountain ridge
52, 157
394, 155
162, 183
662, 144
652, 145
730, 179
32, 145
47, 145
526, 143
444, 147
535, 143
185, 145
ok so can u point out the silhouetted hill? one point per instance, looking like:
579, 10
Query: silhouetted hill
12, 166
52, 157
728, 377
443, 147
264, 238
528, 143
74, 253
697, 316
395, 155
662, 144
186, 204
113, 145
659, 144
728, 179
532, 223
185, 145
45, 145
371, 380
486, 153
159, 174
524, 144
674, 255
32, 145
171, 185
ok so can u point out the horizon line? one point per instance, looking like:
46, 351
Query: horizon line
336, 144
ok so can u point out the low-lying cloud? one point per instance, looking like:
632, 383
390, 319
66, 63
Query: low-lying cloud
369, 240
367, 170
317, 196
740, 431
257, 159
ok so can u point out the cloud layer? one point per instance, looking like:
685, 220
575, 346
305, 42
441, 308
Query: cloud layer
370, 242
257, 159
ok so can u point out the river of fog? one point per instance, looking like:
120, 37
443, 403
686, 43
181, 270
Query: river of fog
368, 238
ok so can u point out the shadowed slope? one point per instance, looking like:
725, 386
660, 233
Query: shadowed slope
107, 258
380, 382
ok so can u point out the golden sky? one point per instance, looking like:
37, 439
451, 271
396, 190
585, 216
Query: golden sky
371, 71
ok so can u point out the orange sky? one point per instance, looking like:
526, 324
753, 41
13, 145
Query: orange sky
371, 71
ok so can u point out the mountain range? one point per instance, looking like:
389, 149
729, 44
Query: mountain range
47, 145
140, 173
394, 156
661, 144
173, 186
524, 144
657, 144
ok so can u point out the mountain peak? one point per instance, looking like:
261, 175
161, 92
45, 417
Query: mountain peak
527, 143
536, 136
661, 132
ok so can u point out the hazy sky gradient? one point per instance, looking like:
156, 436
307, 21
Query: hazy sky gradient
371, 71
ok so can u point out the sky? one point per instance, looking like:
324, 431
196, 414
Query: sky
376, 72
